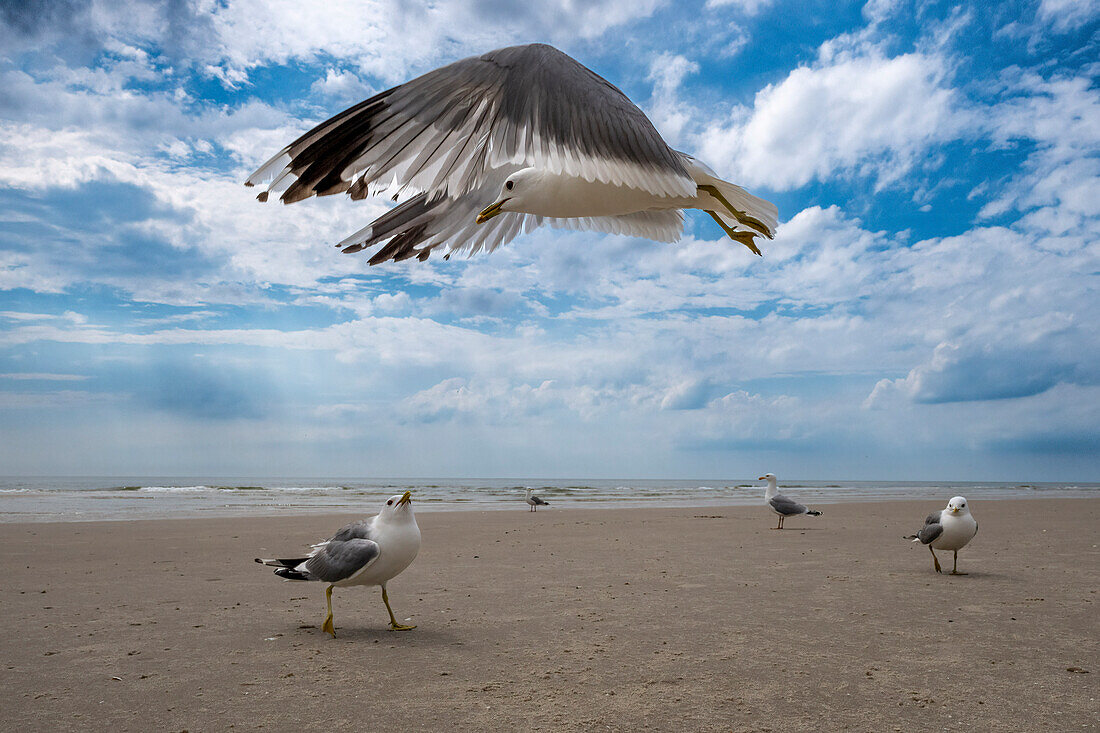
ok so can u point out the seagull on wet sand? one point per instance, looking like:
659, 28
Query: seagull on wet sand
534, 501
782, 505
948, 529
368, 552
493, 146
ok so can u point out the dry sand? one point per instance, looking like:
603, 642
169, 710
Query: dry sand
620, 619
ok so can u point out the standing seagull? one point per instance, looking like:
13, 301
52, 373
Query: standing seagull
948, 529
495, 145
534, 501
368, 552
782, 505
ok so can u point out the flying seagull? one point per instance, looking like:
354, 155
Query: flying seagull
496, 145
534, 501
782, 505
368, 552
948, 529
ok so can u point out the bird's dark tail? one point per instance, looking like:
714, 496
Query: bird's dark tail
285, 567
813, 512
291, 574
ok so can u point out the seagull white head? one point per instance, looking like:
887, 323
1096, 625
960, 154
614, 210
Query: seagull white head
958, 505
517, 193
769, 477
397, 507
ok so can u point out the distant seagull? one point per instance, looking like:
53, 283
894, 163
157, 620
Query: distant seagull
368, 552
534, 501
948, 529
493, 146
782, 505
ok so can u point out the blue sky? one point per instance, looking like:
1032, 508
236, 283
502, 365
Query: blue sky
927, 310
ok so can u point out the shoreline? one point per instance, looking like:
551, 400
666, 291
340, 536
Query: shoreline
697, 618
748, 499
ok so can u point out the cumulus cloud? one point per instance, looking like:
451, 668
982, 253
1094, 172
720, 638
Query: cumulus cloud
668, 113
117, 180
690, 394
341, 85
1060, 181
965, 372
384, 38
862, 114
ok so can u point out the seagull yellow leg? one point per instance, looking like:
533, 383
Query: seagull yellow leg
393, 621
744, 238
327, 625
935, 559
955, 569
749, 221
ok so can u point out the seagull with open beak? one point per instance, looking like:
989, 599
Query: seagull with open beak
371, 551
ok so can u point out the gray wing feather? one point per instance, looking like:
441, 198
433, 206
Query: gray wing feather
442, 132
422, 223
340, 559
786, 506
427, 221
348, 551
931, 529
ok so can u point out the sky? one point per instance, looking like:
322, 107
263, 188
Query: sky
927, 310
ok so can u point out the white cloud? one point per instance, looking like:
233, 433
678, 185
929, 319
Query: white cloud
341, 85
389, 39
858, 114
748, 7
1067, 15
668, 113
690, 394
609, 341
1058, 115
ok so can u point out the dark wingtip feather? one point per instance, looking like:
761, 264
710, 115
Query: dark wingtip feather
262, 197
296, 193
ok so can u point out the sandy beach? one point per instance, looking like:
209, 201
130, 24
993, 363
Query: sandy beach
605, 619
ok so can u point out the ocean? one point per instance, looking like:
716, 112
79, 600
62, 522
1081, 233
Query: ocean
90, 498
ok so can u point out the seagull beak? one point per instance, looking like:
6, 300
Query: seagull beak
406, 499
761, 479
490, 211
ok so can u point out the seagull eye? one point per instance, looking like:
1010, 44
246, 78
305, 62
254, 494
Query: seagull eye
389, 502
509, 185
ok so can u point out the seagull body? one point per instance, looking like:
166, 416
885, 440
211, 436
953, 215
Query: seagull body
368, 552
496, 145
948, 529
781, 505
535, 501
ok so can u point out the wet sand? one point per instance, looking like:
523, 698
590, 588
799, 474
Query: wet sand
629, 619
